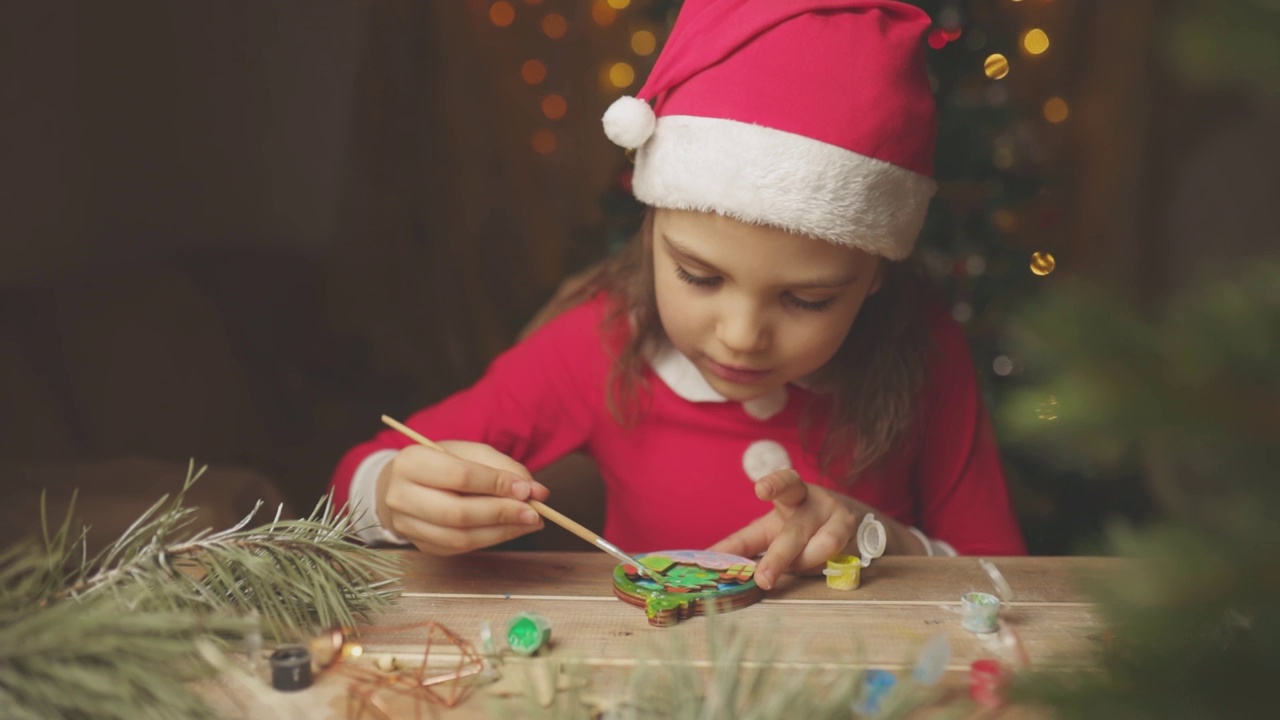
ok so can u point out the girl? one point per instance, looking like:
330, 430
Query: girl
759, 369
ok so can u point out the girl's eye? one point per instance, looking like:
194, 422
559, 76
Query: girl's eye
698, 280
813, 305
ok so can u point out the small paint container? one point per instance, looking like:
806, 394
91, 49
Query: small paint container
291, 668
527, 633
979, 612
876, 686
986, 683
843, 572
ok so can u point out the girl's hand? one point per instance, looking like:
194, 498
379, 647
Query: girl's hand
447, 503
808, 525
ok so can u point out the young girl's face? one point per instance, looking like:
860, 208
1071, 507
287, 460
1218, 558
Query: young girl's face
754, 307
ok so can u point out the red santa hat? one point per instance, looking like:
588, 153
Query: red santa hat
814, 116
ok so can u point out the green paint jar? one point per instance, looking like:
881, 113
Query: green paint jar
527, 633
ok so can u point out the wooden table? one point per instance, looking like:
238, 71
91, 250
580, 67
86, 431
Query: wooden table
902, 603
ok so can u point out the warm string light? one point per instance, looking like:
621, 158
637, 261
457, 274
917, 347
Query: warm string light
533, 72
1035, 41
1056, 110
621, 75
643, 43
602, 13
555, 26
554, 106
502, 13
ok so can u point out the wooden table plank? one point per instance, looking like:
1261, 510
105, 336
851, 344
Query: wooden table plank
605, 631
888, 579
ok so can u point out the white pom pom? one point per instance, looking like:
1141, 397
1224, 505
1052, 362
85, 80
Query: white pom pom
629, 121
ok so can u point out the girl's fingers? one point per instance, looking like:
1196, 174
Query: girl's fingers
831, 539
751, 540
782, 552
784, 487
450, 510
431, 468
436, 540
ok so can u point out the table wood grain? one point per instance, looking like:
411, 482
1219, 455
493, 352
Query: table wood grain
901, 604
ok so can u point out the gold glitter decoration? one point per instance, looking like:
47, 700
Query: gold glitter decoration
996, 66
1042, 263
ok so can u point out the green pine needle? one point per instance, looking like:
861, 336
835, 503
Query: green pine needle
124, 634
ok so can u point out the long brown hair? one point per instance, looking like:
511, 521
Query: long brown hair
874, 381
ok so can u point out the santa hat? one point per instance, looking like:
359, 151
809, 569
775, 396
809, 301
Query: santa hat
814, 116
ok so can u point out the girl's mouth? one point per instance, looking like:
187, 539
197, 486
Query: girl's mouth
735, 374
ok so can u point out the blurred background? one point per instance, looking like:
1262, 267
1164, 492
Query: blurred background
240, 231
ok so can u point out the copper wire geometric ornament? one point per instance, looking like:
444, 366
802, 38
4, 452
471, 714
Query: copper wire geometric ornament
448, 683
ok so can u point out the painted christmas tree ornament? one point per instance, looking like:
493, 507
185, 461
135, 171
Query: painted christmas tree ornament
694, 582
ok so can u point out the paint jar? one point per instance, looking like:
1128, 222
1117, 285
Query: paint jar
291, 668
843, 572
979, 612
876, 686
527, 633
986, 683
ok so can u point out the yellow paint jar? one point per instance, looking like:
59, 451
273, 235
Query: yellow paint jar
843, 572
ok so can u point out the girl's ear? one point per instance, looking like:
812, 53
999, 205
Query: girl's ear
878, 279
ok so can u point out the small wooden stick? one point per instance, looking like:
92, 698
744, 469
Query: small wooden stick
549, 513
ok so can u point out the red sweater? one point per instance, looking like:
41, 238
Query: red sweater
681, 477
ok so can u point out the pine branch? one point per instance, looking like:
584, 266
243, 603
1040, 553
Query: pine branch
298, 575
89, 659
123, 634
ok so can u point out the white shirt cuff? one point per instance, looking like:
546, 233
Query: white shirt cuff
364, 487
934, 548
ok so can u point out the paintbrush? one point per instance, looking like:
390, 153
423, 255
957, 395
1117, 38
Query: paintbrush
549, 513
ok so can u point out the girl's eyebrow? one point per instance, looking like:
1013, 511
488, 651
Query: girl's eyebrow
821, 284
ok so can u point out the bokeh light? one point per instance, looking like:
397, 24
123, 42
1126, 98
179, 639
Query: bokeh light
1036, 41
555, 26
996, 66
502, 14
1042, 263
544, 142
643, 42
602, 14
621, 75
1056, 110
533, 71
554, 106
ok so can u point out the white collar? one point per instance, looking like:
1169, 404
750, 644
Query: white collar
679, 373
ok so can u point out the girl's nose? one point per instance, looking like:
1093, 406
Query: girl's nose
742, 331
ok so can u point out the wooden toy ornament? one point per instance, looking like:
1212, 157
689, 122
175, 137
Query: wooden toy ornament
693, 583
844, 572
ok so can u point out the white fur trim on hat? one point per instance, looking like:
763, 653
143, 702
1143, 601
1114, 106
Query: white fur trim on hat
771, 177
